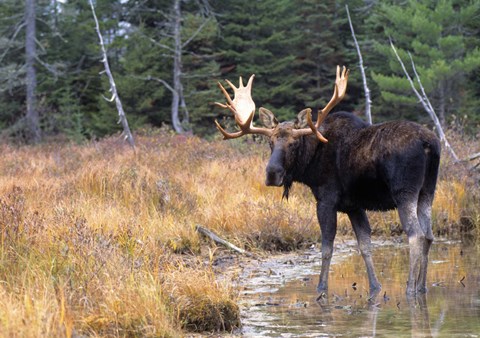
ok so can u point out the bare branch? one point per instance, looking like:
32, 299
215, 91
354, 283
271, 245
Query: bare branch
113, 87
14, 36
213, 236
156, 43
194, 35
425, 103
368, 101
151, 78
472, 157
109, 99
425, 97
50, 68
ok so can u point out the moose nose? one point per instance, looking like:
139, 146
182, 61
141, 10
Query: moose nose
275, 174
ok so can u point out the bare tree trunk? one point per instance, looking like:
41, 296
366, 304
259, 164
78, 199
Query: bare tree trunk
113, 87
183, 105
368, 101
177, 67
32, 119
441, 105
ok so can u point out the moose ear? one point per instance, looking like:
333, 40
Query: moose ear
301, 121
268, 119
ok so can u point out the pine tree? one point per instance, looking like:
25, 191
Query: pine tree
12, 70
260, 37
168, 62
326, 43
440, 37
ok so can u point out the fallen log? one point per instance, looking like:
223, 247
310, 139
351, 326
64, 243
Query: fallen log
210, 234
472, 157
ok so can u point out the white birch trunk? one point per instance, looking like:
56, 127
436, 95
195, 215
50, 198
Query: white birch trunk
368, 101
113, 87
177, 67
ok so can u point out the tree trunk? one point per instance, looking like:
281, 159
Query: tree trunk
177, 68
368, 101
113, 86
441, 105
183, 105
32, 119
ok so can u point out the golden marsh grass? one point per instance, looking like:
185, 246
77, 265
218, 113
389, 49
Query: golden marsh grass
101, 241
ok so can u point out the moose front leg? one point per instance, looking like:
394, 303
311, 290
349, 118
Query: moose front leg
327, 217
362, 229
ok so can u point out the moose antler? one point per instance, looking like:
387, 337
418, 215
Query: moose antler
338, 94
243, 109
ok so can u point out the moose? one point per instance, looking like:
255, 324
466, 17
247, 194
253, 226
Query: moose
391, 165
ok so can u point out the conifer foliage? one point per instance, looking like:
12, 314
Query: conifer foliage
167, 56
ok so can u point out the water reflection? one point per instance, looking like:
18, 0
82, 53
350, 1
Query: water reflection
451, 307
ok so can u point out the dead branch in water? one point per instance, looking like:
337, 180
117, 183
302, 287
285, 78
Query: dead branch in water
217, 239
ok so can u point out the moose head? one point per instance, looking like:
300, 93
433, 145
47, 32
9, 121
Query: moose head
283, 137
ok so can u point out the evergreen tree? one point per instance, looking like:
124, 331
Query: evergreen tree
260, 37
12, 70
326, 43
443, 39
159, 71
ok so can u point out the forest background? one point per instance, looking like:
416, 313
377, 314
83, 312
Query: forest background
97, 240
166, 57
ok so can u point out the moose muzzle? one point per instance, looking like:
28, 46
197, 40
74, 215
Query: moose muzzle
275, 169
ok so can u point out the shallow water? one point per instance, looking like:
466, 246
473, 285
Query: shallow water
279, 297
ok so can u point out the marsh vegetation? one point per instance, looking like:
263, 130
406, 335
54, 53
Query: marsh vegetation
98, 240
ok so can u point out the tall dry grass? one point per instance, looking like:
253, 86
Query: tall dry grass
98, 240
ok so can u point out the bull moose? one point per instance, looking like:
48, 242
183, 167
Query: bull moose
391, 165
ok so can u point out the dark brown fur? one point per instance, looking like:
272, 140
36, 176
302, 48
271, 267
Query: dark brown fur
392, 165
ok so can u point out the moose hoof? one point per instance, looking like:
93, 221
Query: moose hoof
422, 290
322, 288
374, 291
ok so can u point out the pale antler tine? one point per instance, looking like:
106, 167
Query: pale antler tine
250, 82
227, 135
222, 105
314, 127
339, 89
322, 114
231, 86
225, 93
243, 109
342, 83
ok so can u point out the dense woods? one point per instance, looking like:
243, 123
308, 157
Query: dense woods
166, 57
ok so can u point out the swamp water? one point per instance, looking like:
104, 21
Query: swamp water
279, 297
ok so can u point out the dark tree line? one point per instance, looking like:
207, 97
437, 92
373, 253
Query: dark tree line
167, 55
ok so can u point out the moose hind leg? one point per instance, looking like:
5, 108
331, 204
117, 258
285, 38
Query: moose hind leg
362, 230
417, 242
424, 212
